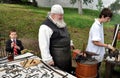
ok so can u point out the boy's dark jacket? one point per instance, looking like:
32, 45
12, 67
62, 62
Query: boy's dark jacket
9, 49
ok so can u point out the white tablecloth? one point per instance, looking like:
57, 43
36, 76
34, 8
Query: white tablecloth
15, 70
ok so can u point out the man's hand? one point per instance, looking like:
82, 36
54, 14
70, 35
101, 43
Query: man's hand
111, 47
50, 62
78, 52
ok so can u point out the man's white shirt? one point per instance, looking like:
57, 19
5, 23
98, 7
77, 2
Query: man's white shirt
44, 41
96, 34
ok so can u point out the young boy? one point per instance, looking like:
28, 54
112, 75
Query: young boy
14, 45
96, 36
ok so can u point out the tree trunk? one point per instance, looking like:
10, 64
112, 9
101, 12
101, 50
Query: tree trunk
35, 3
80, 7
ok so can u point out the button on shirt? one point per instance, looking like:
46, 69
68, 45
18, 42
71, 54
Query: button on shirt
96, 34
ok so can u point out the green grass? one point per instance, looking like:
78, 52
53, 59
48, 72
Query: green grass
20, 18
81, 21
27, 19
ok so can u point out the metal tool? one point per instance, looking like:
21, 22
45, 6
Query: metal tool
34, 75
115, 36
45, 68
31, 61
25, 63
64, 76
17, 76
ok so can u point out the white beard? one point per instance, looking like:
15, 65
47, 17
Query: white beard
59, 23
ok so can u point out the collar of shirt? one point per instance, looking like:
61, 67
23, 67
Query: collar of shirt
100, 24
13, 40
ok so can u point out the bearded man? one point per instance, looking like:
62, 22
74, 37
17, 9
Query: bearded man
54, 40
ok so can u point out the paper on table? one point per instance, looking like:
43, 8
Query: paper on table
23, 56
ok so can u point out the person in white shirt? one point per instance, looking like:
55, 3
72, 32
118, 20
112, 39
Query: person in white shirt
96, 36
54, 40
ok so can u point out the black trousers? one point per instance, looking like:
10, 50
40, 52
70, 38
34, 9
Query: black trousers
98, 68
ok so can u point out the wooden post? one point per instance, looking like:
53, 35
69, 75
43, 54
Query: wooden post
109, 67
108, 70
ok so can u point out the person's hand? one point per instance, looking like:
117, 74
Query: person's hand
12, 44
17, 47
51, 62
76, 51
111, 47
83, 54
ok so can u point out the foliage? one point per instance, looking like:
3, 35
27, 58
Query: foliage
24, 0
99, 5
73, 1
84, 1
27, 19
87, 1
4, 1
1, 1
80, 21
14, 1
80, 4
115, 6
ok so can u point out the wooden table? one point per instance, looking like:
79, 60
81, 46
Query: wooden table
14, 69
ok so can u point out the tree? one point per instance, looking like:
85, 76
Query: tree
99, 5
80, 7
35, 3
10, 1
80, 2
15, 1
115, 7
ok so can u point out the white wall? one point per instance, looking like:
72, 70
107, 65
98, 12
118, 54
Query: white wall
66, 3
107, 3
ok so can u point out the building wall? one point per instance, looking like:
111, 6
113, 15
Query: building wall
106, 3
44, 3
66, 3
